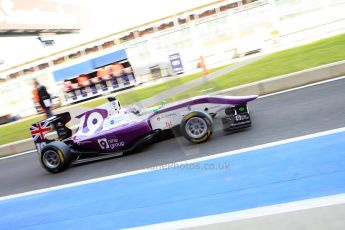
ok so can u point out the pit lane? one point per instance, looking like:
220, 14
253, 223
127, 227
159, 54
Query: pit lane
277, 117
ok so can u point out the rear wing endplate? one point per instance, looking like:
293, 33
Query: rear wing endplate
56, 123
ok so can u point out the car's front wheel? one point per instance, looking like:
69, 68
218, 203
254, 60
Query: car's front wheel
197, 127
55, 157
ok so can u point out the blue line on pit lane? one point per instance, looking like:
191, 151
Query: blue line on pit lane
285, 173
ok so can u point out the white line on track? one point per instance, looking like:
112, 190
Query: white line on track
267, 145
267, 95
18, 154
249, 213
302, 87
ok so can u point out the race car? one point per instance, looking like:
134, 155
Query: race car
110, 130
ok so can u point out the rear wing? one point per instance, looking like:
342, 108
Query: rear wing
56, 123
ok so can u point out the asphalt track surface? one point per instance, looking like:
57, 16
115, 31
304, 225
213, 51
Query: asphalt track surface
291, 114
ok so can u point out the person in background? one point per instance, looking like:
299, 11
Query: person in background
83, 82
117, 69
43, 97
67, 85
36, 100
102, 74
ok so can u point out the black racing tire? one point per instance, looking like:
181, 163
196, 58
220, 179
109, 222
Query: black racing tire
197, 127
56, 157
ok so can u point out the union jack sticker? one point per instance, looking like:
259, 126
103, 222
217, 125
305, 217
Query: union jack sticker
39, 129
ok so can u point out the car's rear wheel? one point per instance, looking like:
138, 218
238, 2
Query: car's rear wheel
196, 127
55, 157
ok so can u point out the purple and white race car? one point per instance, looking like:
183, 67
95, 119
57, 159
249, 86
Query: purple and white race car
110, 130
